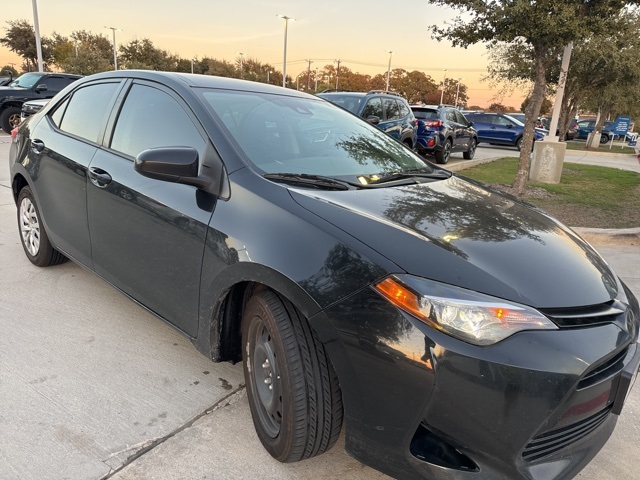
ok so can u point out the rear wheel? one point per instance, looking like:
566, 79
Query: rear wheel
10, 119
519, 143
35, 241
293, 391
442, 156
471, 151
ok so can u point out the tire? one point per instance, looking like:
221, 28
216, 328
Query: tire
442, 156
9, 119
604, 138
519, 143
34, 239
293, 391
471, 151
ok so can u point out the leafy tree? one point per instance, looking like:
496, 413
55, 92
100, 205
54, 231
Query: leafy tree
545, 108
545, 26
84, 53
4, 71
21, 38
142, 54
497, 108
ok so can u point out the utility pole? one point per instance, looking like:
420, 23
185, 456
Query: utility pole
337, 72
390, 52
444, 81
309, 62
36, 26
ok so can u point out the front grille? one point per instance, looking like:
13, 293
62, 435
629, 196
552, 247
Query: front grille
550, 442
603, 371
583, 316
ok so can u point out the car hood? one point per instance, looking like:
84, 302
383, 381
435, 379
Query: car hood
457, 232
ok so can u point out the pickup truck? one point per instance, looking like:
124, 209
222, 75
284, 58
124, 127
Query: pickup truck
30, 86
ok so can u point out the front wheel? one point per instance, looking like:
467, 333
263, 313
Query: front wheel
293, 391
442, 156
35, 241
471, 151
604, 138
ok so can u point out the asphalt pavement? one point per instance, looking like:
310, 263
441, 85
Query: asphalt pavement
94, 387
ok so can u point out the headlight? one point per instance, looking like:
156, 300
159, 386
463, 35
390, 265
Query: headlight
470, 316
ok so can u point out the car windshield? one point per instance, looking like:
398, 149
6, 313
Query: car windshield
514, 120
289, 135
27, 80
348, 102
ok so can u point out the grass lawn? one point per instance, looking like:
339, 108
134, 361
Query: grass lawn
587, 196
616, 148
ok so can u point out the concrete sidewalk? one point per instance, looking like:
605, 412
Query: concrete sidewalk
93, 387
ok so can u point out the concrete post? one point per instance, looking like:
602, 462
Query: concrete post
546, 161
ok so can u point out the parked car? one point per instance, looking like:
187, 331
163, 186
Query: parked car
30, 86
572, 131
458, 332
31, 107
443, 130
585, 127
518, 116
500, 129
387, 110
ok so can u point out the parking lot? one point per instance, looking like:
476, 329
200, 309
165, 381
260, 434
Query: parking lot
94, 387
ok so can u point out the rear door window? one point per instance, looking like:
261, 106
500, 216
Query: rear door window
391, 108
373, 107
87, 111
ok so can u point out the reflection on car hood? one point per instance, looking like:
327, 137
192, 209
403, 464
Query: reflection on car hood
460, 233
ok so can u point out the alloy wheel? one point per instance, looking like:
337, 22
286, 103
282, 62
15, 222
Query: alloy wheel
29, 226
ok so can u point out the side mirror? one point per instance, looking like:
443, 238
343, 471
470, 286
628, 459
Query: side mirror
373, 119
41, 88
173, 164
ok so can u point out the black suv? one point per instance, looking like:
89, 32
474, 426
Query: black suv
442, 130
386, 110
30, 86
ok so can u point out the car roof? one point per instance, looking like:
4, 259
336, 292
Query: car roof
197, 81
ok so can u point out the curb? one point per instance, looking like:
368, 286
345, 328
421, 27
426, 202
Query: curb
463, 164
609, 236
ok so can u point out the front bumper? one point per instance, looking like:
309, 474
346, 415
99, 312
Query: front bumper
421, 404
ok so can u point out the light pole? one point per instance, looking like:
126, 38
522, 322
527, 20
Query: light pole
337, 72
390, 52
444, 80
115, 58
284, 63
268, 73
458, 90
36, 26
241, 57
316, 79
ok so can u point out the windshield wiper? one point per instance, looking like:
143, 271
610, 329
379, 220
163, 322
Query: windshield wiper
390, 177
312, 180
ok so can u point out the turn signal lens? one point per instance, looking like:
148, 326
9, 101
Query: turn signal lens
470, 316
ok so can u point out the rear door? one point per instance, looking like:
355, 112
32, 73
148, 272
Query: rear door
392, 124
148, 235
63, 144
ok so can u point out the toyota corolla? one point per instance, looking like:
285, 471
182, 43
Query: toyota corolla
456, 332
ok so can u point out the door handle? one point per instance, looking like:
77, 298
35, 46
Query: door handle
37, 146
99, 177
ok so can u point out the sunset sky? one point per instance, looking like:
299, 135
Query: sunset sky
359, 33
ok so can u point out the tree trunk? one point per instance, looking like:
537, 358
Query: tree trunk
531, 114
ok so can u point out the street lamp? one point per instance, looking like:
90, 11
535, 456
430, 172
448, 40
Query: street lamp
284, 63
268, 73
36, 26
458, 90
444, 81
316, 79
241, 57
390, 52
115, 58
